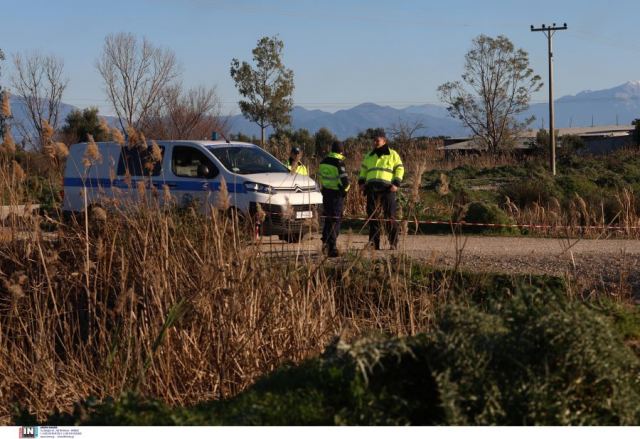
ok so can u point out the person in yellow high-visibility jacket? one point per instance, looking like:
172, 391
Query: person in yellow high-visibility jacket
380, 177
294, 163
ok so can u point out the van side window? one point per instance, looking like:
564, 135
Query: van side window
189, 162
139, 163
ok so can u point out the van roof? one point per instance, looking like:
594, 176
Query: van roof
212, 143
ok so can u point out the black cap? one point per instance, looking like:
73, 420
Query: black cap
295, 150
337, 146
379, 132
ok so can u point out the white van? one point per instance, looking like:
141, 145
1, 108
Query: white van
193, 171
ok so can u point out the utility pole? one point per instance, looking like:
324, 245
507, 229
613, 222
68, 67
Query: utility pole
549, 31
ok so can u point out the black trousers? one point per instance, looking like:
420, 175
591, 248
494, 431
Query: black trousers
386, 200
333, 207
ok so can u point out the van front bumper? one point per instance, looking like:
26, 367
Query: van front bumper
276, 219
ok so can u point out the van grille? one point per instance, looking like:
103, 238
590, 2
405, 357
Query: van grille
295, 189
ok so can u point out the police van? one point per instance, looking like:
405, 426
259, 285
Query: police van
192, 172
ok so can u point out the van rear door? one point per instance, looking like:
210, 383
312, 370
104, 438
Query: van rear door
138, 172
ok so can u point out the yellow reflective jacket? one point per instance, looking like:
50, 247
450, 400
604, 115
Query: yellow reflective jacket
381, 168
332, 173
301, 169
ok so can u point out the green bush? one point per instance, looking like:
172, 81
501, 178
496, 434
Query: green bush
522, 356
524, 193
487, 213
537, 359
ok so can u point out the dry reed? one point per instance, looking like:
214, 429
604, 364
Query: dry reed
88, 314
6, 105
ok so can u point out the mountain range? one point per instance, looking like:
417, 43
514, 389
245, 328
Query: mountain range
349, 122
617, 105
614, 106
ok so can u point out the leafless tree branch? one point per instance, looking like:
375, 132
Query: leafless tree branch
39, 81
135, 75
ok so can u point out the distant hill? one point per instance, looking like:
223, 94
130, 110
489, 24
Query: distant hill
21, 115
346, 123
619, 104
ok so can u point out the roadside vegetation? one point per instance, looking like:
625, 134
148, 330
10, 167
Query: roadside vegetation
174, 316
502, 351
589, 194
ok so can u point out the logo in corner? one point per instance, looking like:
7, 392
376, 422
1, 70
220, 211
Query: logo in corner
28, 432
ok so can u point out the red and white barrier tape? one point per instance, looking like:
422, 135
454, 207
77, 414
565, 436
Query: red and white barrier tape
464, 223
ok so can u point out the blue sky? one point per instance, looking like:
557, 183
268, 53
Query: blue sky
342, 52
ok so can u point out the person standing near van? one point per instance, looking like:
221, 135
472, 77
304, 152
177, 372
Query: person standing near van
294, 162
335, 184
380, 177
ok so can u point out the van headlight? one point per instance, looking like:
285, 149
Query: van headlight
259, 187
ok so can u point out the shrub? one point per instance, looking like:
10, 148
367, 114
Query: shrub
571, 144
524, 193
487, 213
536, 359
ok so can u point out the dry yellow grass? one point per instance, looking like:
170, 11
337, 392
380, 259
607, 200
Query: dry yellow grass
92, 153
46, 133
133, 136
117, 136
104, 126
77, 323
8, 145
6, 105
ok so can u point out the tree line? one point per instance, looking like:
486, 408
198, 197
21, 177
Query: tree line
142, 83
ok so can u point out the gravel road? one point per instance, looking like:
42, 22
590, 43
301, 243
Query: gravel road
614, 263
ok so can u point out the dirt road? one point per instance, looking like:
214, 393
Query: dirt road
614, 263
608, 261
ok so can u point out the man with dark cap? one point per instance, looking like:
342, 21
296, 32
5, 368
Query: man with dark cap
335, 184
380, 177
294, 163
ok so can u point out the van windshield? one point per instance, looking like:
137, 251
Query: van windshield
247, 160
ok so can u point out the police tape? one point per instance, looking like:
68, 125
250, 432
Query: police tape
549, 227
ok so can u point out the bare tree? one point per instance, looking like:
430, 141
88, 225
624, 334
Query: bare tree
499, 83
135, 75
190, 114
405, 130
39, 82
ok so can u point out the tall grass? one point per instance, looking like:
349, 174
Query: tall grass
177, 305
580, 218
